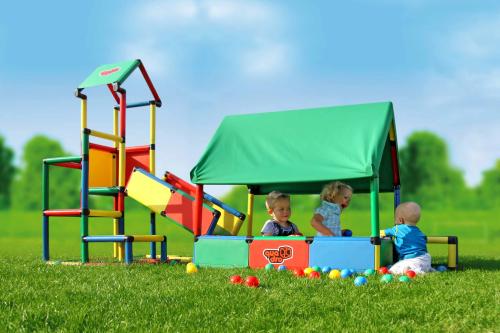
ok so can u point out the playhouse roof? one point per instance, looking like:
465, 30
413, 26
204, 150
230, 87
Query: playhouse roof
299, 151
110, 73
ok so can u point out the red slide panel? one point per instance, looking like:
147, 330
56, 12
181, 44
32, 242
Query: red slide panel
181, 184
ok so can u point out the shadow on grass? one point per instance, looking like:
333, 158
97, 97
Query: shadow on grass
474, 262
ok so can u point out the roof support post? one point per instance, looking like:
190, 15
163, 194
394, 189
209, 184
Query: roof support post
197, 210
374, 206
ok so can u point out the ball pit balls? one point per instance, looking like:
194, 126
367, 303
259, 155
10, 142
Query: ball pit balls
441, 268
269, 267
386, 278
252, 281
314, 275
334, 274
352, 271
326, 270
347, 233
298, 272
383, 270
308, 270
404, 279
345, 273
360, 280
236, 279
369, 272
191, 268
411, 274
281, 268
316, 268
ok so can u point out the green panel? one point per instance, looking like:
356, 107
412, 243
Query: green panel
386, 252
312, 147
220, 252
110, 73
280, 237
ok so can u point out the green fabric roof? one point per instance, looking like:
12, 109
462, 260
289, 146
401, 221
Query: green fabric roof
111, 73
299, 151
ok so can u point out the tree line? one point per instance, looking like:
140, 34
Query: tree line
427, 177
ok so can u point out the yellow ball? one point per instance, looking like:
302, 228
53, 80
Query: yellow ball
334, 274
191, 268
307, 271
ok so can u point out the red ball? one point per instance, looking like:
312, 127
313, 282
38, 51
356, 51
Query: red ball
252, 281
236, 279
411, 274
383, 270
314, 275
298, 272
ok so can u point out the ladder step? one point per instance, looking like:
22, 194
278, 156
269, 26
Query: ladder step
62, 212
105, 213
109, 191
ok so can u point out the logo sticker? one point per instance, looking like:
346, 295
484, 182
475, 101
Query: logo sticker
279, 255
109, 71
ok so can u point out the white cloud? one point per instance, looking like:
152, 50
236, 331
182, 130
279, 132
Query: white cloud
266, 59
478, 40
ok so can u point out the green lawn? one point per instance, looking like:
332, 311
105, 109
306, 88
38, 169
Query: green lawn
39, 297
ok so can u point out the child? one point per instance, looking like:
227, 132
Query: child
335, 197
278, 206
410, 242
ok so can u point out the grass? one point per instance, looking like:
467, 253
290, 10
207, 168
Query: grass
39, 297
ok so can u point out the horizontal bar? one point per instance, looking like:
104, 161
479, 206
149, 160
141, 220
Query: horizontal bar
437, 239
71, 165
137, 104
66, 159
138, 149
148, 238
62, 212
102, 135
106, 239
96, 146
104, 190
104, 213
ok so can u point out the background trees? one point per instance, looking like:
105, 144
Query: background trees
7, 173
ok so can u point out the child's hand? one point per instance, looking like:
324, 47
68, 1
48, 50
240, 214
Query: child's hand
297, 234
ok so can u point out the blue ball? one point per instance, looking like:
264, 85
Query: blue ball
281, 268
360, 280
352, 271
326, 269
347, 233
441, 268
345, 273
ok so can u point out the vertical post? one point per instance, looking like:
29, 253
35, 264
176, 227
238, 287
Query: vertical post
84, 224
250, 201
45, 206
116, 246
197, 210
163, 256
129, 255
397, 196
374, 216
122, 167
152, 166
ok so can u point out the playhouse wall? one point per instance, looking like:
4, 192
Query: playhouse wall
221, 251
102, 168
293, 252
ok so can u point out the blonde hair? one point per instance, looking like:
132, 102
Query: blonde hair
331, 190
274, 196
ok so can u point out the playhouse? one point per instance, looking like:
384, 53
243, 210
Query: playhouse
296, 152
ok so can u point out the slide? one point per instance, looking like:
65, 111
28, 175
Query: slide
173, 197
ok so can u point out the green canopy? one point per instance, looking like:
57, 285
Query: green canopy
299, 151
111, 73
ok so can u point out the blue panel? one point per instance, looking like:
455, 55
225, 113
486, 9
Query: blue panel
342, 252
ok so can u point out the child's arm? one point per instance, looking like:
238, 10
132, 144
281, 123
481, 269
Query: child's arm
317, 223
267, 229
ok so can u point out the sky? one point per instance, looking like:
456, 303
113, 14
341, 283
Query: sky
437, 61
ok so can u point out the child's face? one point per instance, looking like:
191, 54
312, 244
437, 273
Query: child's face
344, 199
281, 211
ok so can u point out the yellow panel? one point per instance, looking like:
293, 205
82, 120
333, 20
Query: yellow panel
452, 255
228, 224
148, 191
392, 133
102, 168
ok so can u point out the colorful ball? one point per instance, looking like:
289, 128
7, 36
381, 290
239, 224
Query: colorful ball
298, 272
404, 279
352, 271
236, 279
314, 275
345, 273
347, 233
191, 268
269, 267
281, 268
441, 268
369, 272
383, 270
308, 270
360, 280
316, 268
252, 281
326, 269
411, 274
334, 274
386, 278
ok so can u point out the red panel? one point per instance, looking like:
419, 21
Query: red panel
180, 184
181, 210
291, 253
63, 212
112, 150
136, 158
395, 169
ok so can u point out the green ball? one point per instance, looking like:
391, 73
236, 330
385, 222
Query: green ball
404, 279
317, 269
386, 278
369, 272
